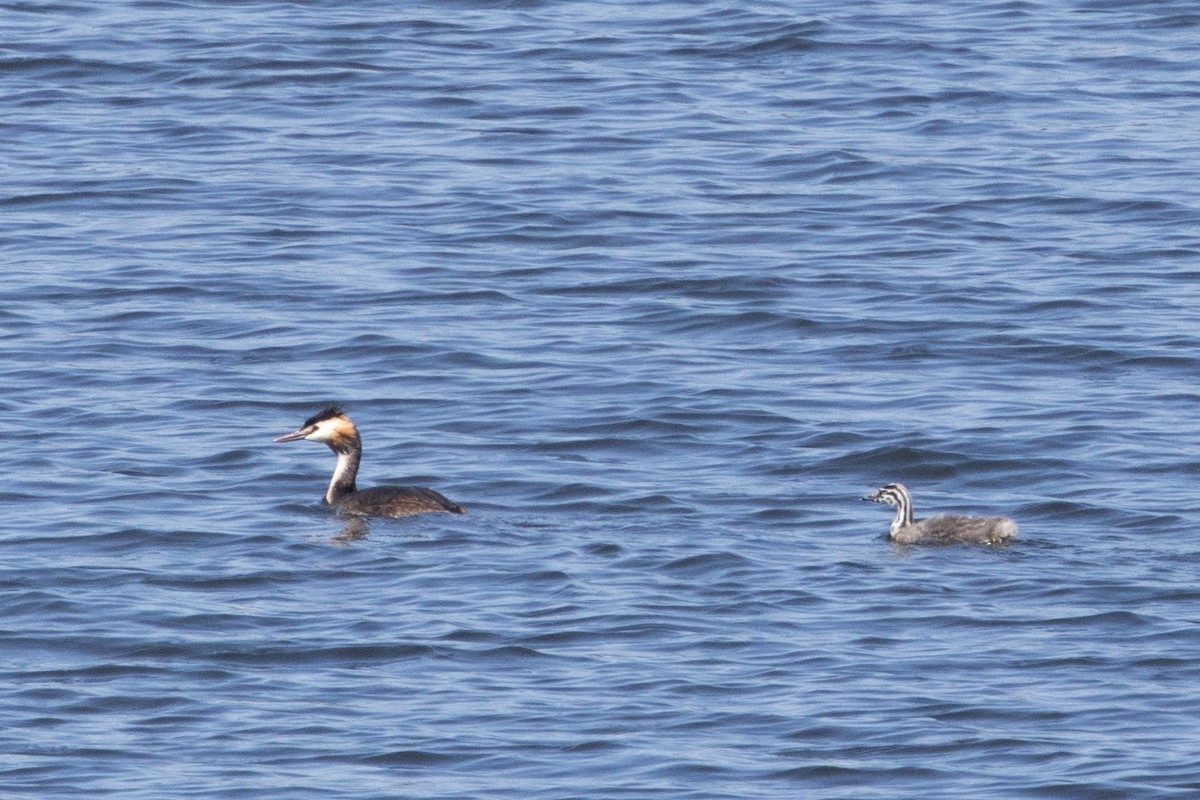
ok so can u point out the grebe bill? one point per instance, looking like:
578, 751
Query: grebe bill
944, 529
332, 427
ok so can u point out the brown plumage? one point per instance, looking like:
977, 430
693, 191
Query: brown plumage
332, 427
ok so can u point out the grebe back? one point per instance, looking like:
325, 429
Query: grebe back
332, 427
945, 529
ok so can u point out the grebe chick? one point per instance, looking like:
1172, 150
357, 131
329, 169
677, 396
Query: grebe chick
335, 429
945, 529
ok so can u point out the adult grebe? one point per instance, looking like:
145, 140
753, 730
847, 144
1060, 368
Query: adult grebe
335, 429
946, 529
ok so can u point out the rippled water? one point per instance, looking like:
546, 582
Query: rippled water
657, 291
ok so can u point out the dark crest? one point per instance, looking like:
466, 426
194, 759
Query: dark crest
327, 413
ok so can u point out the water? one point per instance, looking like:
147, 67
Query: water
657, 291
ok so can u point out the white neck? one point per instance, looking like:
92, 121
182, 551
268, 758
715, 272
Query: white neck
342, 482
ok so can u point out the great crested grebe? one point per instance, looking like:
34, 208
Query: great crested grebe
946, 529
335, 429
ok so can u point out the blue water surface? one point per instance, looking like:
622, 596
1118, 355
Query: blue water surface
657, 291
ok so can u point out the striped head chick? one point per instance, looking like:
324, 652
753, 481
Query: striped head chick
897, 496
942, 529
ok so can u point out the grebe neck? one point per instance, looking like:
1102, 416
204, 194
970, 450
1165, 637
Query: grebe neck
349, 454
904, 513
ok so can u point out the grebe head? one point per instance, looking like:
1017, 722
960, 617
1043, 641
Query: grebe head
894, 494
330, 426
